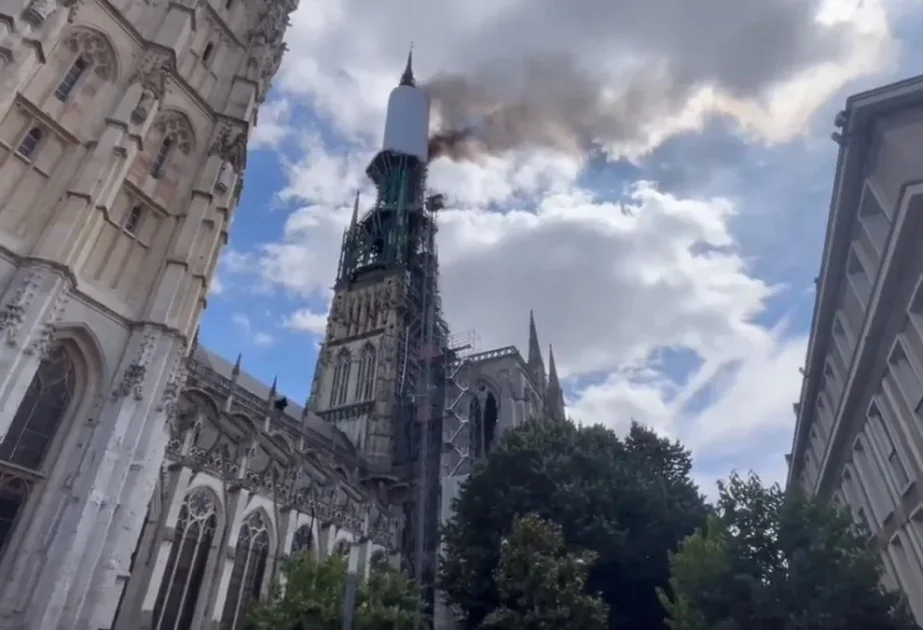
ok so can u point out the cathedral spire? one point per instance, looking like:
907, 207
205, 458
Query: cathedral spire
535, 362
355, 219
407, 77
554, 395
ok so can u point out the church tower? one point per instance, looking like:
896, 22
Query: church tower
385, 293
123, 134
385, 336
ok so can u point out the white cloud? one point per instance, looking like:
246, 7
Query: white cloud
272, 125
263, 339
652, 70
613, 279
257, 338
611, 283
215, 287
306, 320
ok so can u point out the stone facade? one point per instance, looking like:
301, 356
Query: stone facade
859, 432
145, 483
123, 130
248, 479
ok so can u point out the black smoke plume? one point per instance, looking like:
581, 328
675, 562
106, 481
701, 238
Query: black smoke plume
651, 57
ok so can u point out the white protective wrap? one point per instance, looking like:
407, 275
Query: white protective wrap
407, 123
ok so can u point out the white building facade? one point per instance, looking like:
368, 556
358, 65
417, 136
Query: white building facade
859, 432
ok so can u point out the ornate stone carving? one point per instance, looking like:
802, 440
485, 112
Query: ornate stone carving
134, 375
13, 315
174, 124
45, 335
72, 6
266, 45
92, 46
39, 10
231, 146
152, 74
174, 384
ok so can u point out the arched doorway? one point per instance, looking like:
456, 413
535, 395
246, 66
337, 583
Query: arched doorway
25, 447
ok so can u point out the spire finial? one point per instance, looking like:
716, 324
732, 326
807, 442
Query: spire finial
407, 77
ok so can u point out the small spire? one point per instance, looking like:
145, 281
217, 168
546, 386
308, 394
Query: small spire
552, 370
236, 371
554, 395
272, 390
407, 77
535, 362
355, 219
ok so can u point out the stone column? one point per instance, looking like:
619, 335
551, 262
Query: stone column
164, 545
235, 512
137, 488
52, 569
29, 313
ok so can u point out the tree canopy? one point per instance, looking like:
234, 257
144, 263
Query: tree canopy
771, 559
630, 501
311, 598
541, 583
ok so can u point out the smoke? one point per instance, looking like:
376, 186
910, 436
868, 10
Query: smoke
652, 59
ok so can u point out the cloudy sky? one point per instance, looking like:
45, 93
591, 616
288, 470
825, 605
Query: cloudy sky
661, 206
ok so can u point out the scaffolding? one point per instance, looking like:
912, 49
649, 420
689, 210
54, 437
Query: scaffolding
419, 430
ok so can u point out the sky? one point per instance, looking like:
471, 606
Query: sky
660, 208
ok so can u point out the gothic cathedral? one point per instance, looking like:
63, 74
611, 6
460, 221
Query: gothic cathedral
145, 482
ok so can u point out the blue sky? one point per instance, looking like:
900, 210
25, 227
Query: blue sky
695, 239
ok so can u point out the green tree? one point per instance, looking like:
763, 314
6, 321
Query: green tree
780, 560
388, 600
630, 501
311, 598
542, 583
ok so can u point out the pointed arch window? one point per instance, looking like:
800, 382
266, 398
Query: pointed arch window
29, 143
483, 415
38, 418
365, 379
160, 158
66, 86
303, 540
41, 412
182, 578
339, 391
247, 574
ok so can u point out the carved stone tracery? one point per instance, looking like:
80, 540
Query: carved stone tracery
328, 500
175, 125
152, 75
94, 48
231, 146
